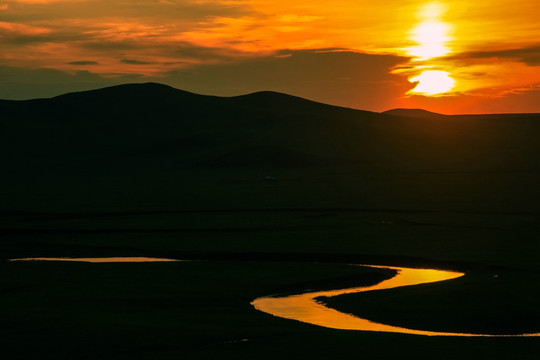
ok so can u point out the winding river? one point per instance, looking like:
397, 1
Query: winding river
304, 307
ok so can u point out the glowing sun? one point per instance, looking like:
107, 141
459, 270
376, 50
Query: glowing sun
432, 82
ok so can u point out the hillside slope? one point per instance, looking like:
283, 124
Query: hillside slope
141, 141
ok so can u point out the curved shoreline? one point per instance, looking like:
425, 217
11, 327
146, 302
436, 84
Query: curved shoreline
305, 308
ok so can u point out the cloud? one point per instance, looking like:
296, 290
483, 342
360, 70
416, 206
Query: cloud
45, 1
18, 29
19, 34
204, 54
169, 12
83, 63
517, 100
21, 83
529, 55
40, 2
135, 62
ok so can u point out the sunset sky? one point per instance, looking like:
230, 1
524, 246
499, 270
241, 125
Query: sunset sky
457, 56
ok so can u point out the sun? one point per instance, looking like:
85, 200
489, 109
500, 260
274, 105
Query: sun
432, 38
431, 35
432, 82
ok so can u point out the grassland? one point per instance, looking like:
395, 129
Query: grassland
267, 194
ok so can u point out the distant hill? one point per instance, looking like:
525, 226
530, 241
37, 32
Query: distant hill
417, 113
139, 144
156, 127
161, 127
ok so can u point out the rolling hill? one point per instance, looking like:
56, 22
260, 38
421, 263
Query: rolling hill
418, 113
139, 140
267, 193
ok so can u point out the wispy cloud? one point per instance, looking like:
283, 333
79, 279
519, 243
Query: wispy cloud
529, 55
83, 63
135, 62
10, 29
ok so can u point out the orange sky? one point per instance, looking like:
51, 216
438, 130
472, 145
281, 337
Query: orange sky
468, 57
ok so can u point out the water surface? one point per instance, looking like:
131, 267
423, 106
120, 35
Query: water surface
305, 307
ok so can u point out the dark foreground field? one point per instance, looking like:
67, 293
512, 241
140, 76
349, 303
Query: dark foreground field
263, 194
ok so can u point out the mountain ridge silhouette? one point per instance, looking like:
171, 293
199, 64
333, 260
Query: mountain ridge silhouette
134, 118
148, 131
413, 113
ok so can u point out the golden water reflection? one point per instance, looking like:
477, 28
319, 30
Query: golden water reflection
305, 308
98, 260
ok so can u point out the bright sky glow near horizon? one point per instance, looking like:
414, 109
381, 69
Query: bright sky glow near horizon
448, 56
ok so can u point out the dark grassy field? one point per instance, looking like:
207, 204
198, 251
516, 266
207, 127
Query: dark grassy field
197, 309
265, 194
